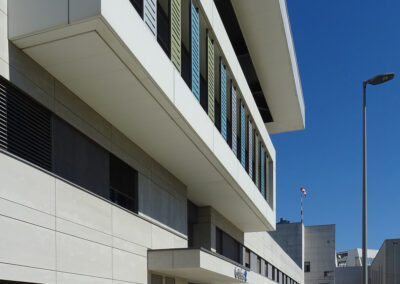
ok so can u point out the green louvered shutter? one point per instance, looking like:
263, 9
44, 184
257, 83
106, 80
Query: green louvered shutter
210, 77
176, 33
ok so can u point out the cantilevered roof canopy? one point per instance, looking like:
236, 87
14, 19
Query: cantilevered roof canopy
196, 265
266, 30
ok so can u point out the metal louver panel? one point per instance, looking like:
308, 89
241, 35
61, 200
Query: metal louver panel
234, 120
195, 43
262, 183
257, 161
267, 177
25, 126
176, 34
150, 15
250, 149
210, 77
223, 101
243, 136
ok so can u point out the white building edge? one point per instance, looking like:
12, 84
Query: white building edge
115, 172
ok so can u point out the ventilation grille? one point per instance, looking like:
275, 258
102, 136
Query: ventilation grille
25, 126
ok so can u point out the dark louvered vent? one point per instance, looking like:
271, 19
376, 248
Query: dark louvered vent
25, 126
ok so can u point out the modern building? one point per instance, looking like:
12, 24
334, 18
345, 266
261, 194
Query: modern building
290, 236
353, 257
135, 143
385, 268
311, 247
349, 265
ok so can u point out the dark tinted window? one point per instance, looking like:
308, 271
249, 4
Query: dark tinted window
138, 4
192, 214
228, 246
247, 258
80, 160
307, 266
218, 241
163, 27
123, 184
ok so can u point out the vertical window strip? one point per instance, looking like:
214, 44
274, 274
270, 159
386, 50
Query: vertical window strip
243, 135
257, 161
223, 100
234, 119
210, 77
262, 183
176, 34
250, 149
195, 43
150, 15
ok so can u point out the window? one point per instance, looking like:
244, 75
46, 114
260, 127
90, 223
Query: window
267, 272
307, 266
227, 246
247, 258
35, 134
219, 241
192, 216
156, 279
258, 264
80, 160
123, 184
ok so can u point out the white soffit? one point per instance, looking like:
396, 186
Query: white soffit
266, 30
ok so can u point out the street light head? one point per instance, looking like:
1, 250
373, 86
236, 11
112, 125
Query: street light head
379, 79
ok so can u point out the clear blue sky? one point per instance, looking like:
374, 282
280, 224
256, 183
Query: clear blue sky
338, 45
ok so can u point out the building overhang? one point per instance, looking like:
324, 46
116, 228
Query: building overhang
266, 30
195, 265
104, 53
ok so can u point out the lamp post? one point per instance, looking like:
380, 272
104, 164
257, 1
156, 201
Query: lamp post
379, 79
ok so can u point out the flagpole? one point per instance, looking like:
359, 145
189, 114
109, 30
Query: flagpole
301, 206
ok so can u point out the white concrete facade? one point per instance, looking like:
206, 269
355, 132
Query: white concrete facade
320, 252
353, 257
59, 233
69, 56
119, 44
385, 268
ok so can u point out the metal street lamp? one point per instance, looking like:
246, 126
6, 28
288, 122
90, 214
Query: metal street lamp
373, 81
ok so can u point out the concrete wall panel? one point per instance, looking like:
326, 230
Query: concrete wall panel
26, 274
34, 189
76, 255
21, 9
80, 207
129, 267
25, 244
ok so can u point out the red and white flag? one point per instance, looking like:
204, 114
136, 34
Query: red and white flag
303, 190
